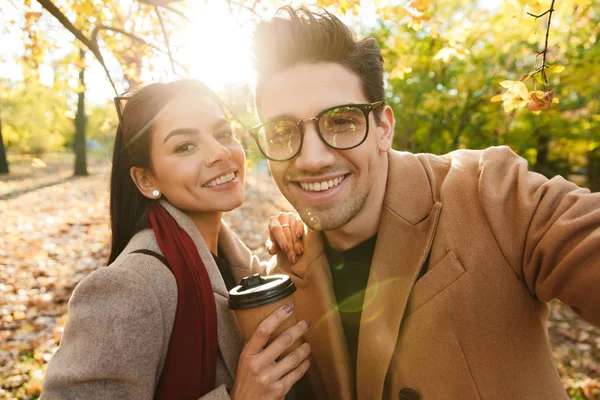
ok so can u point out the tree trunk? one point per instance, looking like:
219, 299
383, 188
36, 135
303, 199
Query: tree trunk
542, 151
3, 161
541, 161
593, 170
80, 125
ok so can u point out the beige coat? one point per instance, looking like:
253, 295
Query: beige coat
120, 321
499, 243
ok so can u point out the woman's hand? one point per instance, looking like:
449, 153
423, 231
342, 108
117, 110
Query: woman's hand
285, 233
259, 374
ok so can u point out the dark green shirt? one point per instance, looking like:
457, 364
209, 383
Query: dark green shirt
350, 273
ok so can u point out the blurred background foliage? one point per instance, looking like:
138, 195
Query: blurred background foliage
444, 62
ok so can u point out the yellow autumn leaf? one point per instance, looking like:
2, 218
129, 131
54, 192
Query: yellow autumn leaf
516, 96
534, 5
37, 163
508, 84
420, 5
497, 98
26, 328
555, 69
519, 90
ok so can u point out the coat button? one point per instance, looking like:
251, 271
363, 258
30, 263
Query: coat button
408, 394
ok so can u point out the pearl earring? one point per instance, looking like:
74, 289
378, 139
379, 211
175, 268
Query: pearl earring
155, 193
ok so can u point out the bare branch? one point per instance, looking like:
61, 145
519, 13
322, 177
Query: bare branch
130, 35
544, 52
166, 36
97, 29
541, 15
175, 11
231, 3
55, 11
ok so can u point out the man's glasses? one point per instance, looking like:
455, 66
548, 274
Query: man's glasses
341, 128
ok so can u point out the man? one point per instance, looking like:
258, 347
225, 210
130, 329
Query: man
423, 276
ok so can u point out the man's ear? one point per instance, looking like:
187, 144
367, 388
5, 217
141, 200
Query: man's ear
144, 181
387, 128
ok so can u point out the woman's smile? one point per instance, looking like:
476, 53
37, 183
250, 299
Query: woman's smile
224, 181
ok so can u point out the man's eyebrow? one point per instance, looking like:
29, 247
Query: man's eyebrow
181, 131
287, 117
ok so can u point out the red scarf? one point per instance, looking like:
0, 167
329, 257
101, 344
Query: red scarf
191, 364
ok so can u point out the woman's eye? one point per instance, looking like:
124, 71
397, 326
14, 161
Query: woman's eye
184, 148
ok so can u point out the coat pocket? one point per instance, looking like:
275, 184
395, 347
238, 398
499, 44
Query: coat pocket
438, 278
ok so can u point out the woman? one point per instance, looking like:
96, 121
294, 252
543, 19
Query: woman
155, 322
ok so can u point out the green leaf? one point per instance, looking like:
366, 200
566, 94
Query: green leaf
538, 77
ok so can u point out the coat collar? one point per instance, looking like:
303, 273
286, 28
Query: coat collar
407, 226
243, 263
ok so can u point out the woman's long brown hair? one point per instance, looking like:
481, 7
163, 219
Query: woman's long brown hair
128, 207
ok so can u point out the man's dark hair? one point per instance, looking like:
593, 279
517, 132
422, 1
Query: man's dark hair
299, 35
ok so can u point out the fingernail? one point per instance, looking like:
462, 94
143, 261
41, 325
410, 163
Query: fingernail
299, 249
289, 308
307, 323
299, 235
294, 259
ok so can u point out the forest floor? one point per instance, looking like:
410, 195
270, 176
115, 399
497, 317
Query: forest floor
54, 230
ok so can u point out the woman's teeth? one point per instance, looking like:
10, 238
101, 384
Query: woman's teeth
320, 186
221, 180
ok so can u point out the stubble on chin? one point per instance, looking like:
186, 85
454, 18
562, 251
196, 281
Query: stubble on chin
327, 218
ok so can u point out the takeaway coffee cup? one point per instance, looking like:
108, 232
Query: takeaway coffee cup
257, 297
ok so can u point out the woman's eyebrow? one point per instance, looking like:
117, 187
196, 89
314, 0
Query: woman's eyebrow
222, 123
181, 131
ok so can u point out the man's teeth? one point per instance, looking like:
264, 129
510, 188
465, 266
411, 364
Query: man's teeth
320, 186
221, 180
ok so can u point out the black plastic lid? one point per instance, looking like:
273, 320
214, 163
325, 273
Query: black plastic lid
257, 290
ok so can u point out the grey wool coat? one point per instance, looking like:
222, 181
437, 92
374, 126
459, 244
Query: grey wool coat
120, 320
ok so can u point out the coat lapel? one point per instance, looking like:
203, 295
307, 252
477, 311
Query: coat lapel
315, 301
229, 336
406, 231
392, 276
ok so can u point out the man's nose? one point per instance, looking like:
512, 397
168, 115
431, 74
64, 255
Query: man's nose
314, 154
216, 152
